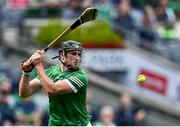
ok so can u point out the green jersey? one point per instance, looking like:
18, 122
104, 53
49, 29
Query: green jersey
68, 109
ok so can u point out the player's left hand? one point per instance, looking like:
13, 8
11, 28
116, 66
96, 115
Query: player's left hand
36, 58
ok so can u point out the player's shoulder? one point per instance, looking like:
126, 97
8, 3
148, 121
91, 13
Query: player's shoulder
53, 67
79, 75
81, 71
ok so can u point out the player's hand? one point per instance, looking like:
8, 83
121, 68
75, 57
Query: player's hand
27, 66
36, 58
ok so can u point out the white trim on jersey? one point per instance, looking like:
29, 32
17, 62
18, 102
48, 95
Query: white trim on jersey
71, 85
89, 125
76, 81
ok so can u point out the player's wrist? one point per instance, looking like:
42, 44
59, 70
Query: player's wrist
26, 73
39, 66
26, 67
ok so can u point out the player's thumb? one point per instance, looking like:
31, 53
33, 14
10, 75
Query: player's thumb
42, 52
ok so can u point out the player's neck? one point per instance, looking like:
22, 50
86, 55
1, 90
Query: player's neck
63, 68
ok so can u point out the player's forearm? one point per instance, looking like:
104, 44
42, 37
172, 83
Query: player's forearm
24, 86
46, 82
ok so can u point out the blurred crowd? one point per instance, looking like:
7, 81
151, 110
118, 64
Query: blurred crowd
126, 113
149, 23
150, 20
129, 14
146, 21
21, 111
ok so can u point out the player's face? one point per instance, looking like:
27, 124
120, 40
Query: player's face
73, 58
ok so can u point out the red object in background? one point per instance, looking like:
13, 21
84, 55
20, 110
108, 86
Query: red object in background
18, 4
90, 45
154, 81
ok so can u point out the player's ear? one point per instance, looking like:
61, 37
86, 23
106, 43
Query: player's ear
61, 55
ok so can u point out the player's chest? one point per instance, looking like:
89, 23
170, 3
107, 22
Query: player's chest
60, 76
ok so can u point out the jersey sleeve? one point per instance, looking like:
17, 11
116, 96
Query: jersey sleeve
76, 82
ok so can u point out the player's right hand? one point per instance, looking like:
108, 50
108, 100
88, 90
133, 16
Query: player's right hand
27, 65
